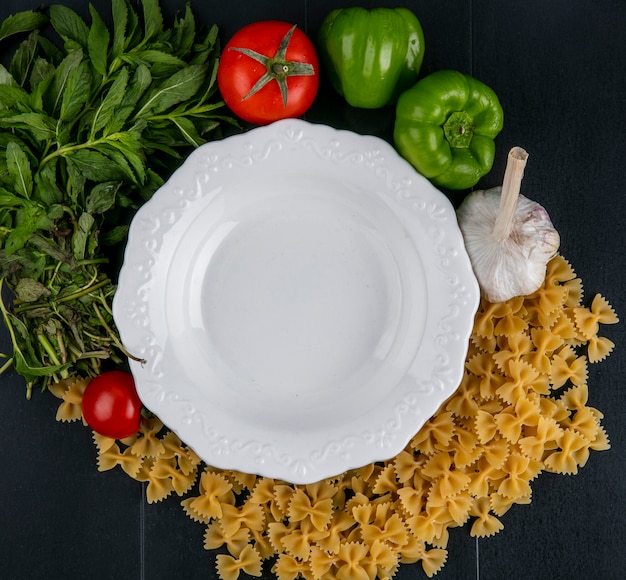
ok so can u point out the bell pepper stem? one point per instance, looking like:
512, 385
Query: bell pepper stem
511, 185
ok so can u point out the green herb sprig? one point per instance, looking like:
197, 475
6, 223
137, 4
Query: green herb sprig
92, 121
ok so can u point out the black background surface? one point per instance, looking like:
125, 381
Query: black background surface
559, 68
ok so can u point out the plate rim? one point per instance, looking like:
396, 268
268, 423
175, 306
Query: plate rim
342, 452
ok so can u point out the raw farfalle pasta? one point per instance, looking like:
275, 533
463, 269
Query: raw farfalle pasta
545, 342
71, 392
463, 404
380, 523
575, 398
249, 516
215, 491
488, 315
588, 320
510, 349
381, 561
248, 561
598, 348
350, 561
520, 470
522, 408
519, 378
573, 452
566, 366
437, 431
512, 420
147, 444
298, 541
302, 507
485, 523
289, 568
538, 440
433, 560
112, 457
214, 537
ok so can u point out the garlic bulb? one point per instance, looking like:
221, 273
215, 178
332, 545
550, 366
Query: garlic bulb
508, 237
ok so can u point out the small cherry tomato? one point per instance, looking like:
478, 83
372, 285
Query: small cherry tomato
111, 405
268, 71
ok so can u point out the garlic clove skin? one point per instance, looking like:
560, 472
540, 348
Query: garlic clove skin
515, 265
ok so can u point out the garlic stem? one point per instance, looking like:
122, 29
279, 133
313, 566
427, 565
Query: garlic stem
513, 174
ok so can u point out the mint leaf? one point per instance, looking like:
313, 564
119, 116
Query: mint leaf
42, 71
76, 92
119, 9
6, 78
17, 238
119, 158
152, 18
184, 33
138, 86
130, 146
40, 126
28, 219
22, 22
22, 59
40, 81
102, 197
134, 33
81, 235
114, 236
208, 49
29, 369
8, 199
13, 96
161, 63
94, 166
98, 42
61, 77
179, 87
50, 248
111, 101
188, 131
19, 169
29, 290
50, 50
46, 189
70, 26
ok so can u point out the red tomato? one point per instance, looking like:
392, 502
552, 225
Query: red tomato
268, 71
111, 405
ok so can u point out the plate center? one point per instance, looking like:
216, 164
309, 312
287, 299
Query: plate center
300, 300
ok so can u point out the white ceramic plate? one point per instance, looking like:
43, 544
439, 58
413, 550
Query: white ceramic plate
303, 300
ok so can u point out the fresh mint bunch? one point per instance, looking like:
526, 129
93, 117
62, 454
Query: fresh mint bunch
93, 119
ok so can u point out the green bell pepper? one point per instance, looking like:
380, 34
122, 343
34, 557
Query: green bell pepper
445, 127
371, 56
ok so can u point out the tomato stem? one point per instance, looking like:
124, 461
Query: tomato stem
277, 67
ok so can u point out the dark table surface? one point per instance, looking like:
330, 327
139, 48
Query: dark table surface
559, 68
